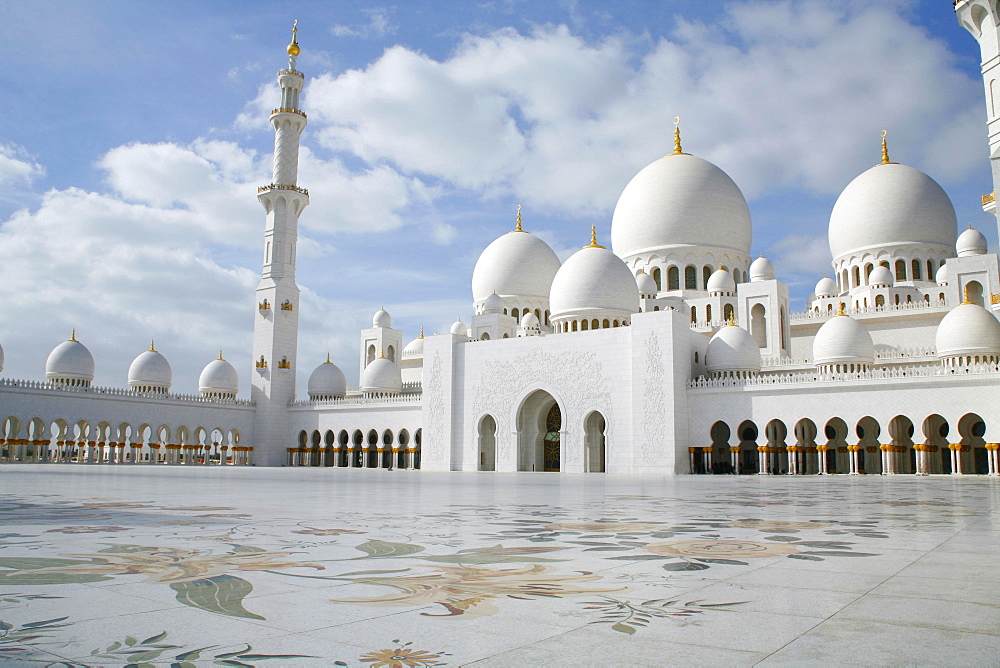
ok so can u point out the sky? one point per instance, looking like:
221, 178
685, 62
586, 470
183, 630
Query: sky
134, 135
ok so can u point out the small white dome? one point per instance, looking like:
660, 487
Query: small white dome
721, 281
381, 376
529, 320
968, 330
843, 340
889, 205
680, 200
518, 264
970, 242
327, 381
941, 277
71, 362
150, 370
382, 319
593, 279
761, 269
415, 348
460, 327
881, 276
826, 287
219, 378
732, 349
493, 304
646, 284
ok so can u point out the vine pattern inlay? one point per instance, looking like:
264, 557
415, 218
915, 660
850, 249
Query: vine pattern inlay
653, 423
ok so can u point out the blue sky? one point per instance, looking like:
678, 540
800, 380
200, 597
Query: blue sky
135, 133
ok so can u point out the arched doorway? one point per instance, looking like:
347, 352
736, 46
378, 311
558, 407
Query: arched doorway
868, 459
971, 453
594, 437
899, 456
800, 461
726, 460
749, 459
487, 444
539, 433
835, 451
935, 429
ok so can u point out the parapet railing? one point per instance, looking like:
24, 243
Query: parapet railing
799, 377
119, 392
366, 400
867, 310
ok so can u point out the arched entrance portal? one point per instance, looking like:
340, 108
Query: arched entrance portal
594, 429
539, 433
487, 443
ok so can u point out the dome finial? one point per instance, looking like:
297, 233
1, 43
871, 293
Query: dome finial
328, 359
965, 295
72, 337
840, 309
421, 332
220, 354
677, 137
732, 320
518, 227
152, 345
593, 238
885, 150
382, 356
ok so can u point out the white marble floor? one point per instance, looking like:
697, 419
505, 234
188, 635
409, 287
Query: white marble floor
190, 566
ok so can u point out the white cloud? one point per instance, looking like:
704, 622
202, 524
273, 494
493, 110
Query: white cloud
379, 24
17, 167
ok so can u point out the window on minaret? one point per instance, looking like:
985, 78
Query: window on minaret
694, 314
708, 313
390, 352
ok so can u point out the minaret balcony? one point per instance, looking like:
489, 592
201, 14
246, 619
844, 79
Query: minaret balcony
288, 110
990, 202
293, 72
281, 186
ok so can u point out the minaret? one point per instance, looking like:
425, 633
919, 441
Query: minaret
276, 324
981, 19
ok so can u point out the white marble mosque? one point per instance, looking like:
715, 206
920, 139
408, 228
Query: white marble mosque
667, 349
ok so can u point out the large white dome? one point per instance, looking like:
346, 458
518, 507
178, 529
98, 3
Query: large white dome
219, 378
891, 205
71, 362
843, 340
968, 330
593, 279
150, 371
680, 200
381, 376
327, 381
732, 348
518, 264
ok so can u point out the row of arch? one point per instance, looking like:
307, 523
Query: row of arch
584, 324
371, 354
901, 270
39, 440
358, 449
841, 448
673, 276
543, 316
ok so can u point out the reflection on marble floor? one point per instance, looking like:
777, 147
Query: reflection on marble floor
190, 566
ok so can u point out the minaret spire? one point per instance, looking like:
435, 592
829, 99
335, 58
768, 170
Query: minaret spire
276, 330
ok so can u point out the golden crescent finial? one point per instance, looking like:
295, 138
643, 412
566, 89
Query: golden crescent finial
72, 337
884, 133
677, 137
885, 150
677, 120
220, 353
518, 227
152, 345
293, 47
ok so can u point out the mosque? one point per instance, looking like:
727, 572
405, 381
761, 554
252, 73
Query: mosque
673, 351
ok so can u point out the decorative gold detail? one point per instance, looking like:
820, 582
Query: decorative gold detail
988, 199
677, 137
328, 359
965, 295
593, 238
260, 364
885, 150
287, 306
518, 227
840, 309
72, 337
220, 354
421, 333
281, 186
995, 298
152, 345
732, 320
382, 355
289, 110
264, 305
284, 363
293, 47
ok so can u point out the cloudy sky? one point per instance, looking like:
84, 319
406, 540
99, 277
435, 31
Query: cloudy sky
135, 133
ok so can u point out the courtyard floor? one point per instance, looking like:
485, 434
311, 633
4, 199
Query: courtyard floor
191, 566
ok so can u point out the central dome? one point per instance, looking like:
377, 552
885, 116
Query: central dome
518, 264
890, 205
680, 200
